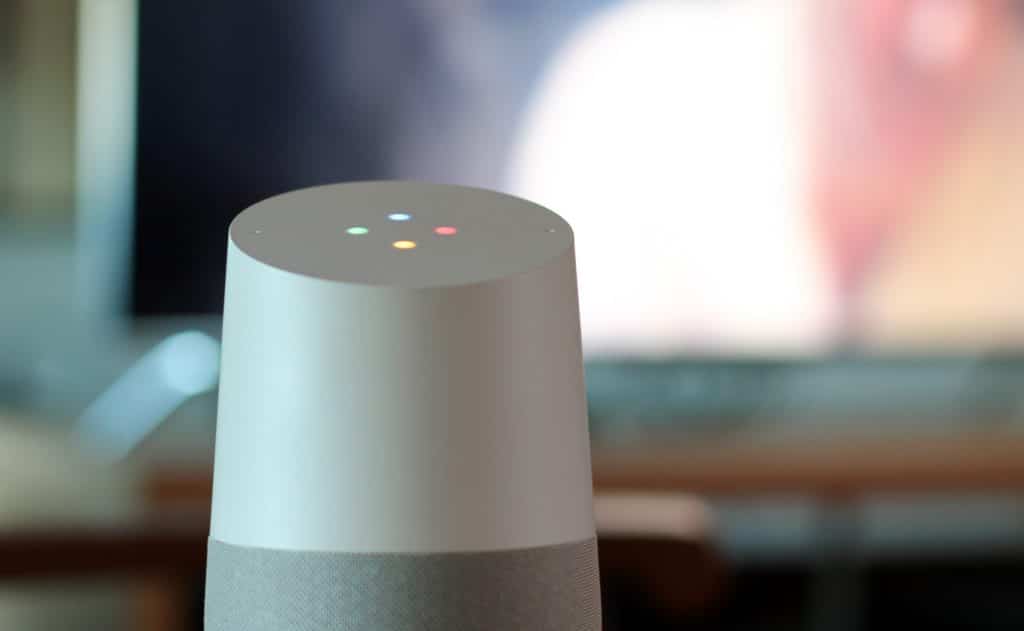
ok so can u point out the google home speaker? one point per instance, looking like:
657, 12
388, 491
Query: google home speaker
401, 432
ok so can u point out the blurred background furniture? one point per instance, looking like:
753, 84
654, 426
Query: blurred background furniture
164, 555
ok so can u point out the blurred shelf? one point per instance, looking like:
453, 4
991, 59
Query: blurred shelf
171, 543
831, 466
824, 464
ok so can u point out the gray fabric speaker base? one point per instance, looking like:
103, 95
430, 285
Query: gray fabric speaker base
551, 588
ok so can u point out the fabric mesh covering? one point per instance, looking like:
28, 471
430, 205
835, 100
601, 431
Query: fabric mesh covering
551, 588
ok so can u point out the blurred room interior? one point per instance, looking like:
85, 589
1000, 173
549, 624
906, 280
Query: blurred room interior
801, 280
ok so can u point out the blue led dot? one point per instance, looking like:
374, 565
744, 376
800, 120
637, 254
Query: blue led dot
399, 216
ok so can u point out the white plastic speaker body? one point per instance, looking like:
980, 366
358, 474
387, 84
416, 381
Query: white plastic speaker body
401, 433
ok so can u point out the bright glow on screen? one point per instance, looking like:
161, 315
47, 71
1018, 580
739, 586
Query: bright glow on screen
404, 245
358, 230
445, 231
712, 185
399, 216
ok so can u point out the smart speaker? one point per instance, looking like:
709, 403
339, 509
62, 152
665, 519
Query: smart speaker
401, 432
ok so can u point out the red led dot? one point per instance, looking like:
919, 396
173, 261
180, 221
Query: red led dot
445, 231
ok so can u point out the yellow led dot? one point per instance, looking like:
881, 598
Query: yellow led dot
404, 245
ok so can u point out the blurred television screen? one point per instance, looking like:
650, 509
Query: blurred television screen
744, 178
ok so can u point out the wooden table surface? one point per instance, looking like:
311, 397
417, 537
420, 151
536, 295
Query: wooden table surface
166, 548
164, 556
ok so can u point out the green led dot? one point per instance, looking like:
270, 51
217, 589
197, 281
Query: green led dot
358, 230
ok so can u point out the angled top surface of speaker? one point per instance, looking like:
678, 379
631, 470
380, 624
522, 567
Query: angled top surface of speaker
401, 433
